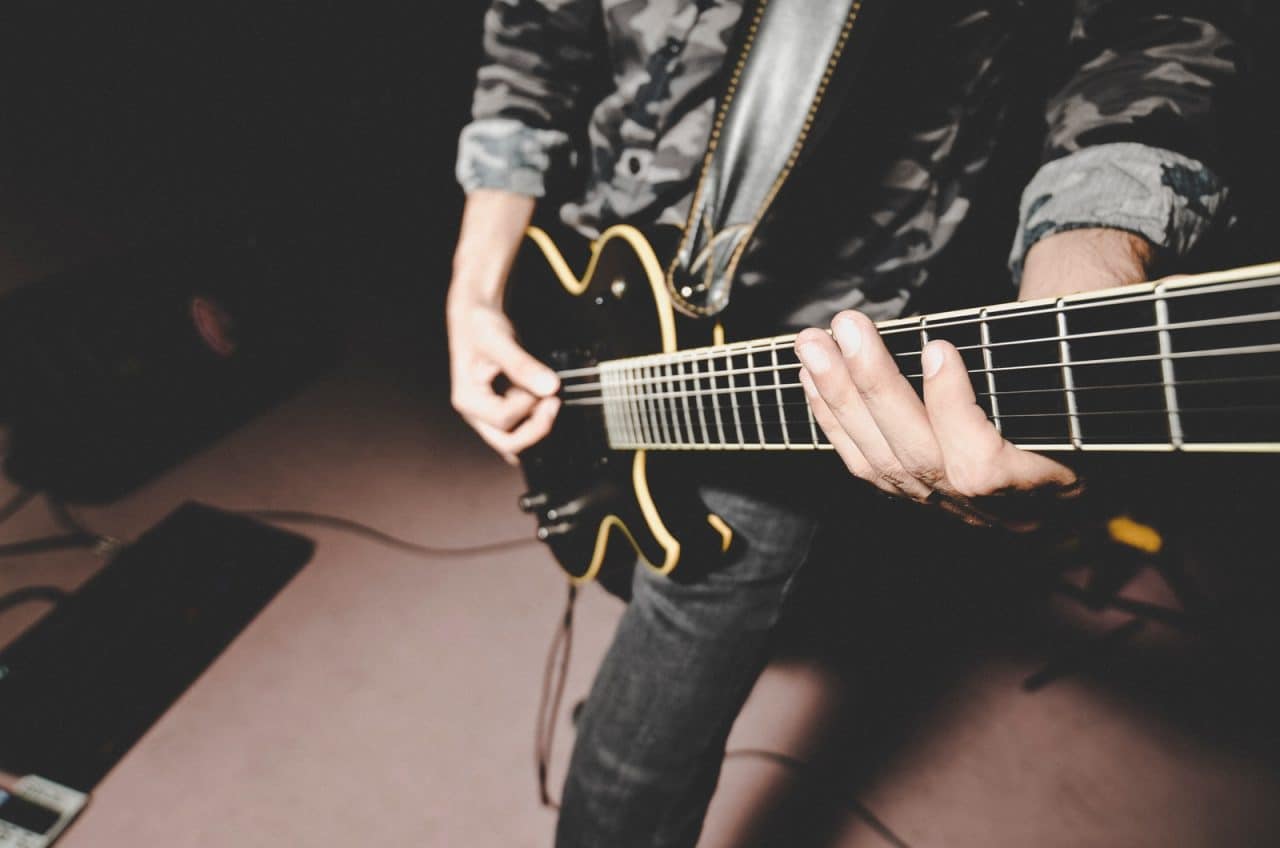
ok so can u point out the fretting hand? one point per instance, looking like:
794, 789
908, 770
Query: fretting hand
943, 450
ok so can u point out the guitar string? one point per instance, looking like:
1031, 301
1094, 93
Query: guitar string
804, 419
1255, 318
1063, 414
766, 387
762, 369
916, 325
784, 421
778, 424
754, 436
1246, 350
1154, 328
775, 438
668, 368
783, 424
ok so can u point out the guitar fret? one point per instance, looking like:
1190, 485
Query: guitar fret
679, 398
1167, 376
612, 435
924, 340
697, 399
733, 399
628, 407
642, 408
656, 401
1068, 384
685, 391
670, 400
657, 395
984, 331
777, 390
755, 398
621, 408
813, 424
715, 400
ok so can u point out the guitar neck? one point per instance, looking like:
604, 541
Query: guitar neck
1189, 365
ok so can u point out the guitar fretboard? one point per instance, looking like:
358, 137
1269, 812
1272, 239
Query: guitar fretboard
1185, 365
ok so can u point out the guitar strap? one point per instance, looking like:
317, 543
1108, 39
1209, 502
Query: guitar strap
795, 56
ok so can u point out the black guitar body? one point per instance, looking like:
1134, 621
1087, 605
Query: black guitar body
599, 508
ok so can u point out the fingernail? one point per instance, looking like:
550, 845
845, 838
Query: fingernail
848, 335
545, 384
814, 358
931, 360
807, 383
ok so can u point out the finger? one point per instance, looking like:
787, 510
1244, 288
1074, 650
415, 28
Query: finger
822, 359
532, 430
844, 446
536, 427
523, 370
501, 411
889, 398
978, 460
495, 439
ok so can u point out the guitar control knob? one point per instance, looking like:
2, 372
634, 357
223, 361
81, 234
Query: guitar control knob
594, 498
532, 501
567, 510
548, 531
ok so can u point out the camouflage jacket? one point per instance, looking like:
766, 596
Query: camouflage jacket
1131, 97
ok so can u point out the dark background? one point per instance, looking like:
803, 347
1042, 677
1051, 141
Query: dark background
293, 159
126, 124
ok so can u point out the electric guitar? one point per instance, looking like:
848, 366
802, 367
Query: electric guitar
1191, 365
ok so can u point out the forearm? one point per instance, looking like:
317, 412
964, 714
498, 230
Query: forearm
1132, 148
493, 225
1083, 260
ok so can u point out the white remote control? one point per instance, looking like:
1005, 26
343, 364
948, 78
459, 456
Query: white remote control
36, 811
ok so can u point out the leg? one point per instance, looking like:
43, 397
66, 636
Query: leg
651, 736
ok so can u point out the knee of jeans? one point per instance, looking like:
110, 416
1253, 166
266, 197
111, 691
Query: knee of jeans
770, 540
742, 594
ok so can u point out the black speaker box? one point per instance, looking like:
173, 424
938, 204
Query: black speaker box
111, 373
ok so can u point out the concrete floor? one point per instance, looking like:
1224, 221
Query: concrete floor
388, 699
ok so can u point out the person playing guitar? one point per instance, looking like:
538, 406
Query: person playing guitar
899, 202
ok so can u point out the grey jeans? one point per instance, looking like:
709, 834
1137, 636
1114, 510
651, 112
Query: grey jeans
651, 735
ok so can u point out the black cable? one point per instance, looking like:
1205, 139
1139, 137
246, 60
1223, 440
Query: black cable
27, 594
347, 525
48, 543
808, 770
554, 677
80, 535
62, 515
15, 504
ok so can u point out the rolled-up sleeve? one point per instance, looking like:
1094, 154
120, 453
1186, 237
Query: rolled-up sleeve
1169, 199
537, 54
1132, 141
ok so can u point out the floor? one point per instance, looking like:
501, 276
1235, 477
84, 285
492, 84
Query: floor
384, 698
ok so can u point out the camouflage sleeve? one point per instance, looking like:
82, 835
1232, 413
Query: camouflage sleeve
536, 56
1169, 199
1132, 132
